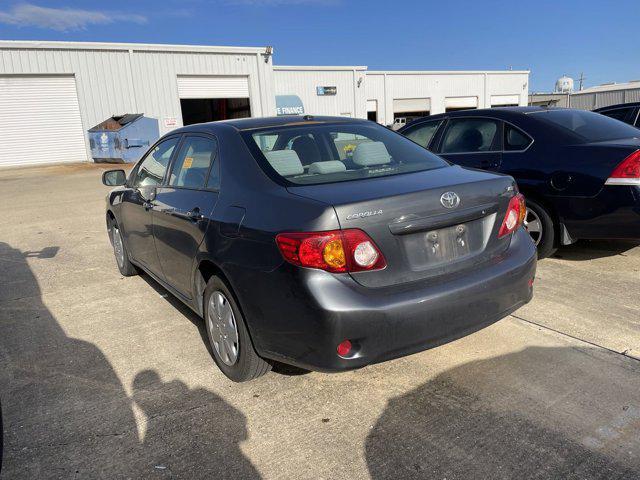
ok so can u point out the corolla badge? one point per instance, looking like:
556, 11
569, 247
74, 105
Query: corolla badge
450, 200
370, 213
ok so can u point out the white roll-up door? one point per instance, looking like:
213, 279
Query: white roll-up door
372, 105
213, 86
40, 121
497, 100
461, 102
411, 104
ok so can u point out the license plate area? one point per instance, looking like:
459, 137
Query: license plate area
446, 245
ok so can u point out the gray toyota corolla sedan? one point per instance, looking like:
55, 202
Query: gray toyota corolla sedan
326, 243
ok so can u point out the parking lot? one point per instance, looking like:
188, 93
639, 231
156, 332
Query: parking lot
109, 377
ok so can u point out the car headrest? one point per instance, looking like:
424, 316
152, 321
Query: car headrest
471, 140
307, 150
371, 153
332, 166
285, 162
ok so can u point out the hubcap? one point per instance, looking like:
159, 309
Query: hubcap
222, 327
533, 225
118, 247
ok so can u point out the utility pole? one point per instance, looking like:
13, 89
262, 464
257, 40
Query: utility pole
581, 80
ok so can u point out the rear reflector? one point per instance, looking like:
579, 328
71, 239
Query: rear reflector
336, 251
344, 348
628, 172
514, 217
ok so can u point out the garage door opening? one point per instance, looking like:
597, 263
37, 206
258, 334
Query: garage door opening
453, 104
200, 110
405, 110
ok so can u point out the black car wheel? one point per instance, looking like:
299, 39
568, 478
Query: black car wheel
127, 269
230, 343
540, 226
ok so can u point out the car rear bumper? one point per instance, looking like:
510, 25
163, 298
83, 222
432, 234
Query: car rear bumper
320, 310
612, 214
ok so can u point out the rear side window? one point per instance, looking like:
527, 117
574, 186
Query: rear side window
586, 126
191, 167
423, 134
468, 135
515, 139
622, 114
327, 153
152, 169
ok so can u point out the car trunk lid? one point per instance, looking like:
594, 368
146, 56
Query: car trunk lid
419, 236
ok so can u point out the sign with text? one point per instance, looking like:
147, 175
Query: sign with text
326, 90
289, 105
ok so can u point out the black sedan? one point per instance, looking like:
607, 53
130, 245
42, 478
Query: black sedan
325, 243
625, 112
579, 171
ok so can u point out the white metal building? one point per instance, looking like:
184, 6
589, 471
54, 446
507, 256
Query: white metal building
383, 96
605, 95
51, 93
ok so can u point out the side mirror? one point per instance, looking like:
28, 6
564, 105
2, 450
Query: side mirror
114, 178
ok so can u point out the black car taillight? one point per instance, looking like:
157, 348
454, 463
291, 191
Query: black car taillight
628, 172
337, 251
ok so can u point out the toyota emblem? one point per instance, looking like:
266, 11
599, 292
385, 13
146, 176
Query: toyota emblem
450, 200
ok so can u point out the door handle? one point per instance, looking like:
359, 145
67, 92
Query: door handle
194, 214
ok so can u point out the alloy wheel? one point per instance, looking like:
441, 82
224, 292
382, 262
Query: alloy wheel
118, 247
533, 224
223, 330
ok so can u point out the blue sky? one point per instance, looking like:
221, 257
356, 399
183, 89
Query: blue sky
599, 38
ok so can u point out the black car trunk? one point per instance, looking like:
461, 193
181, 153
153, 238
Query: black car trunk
418, 235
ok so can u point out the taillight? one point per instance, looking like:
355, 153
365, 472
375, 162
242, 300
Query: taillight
337, 251
514, 217
628, 172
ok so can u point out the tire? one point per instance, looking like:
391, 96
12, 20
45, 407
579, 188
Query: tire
127, 269
541, 228
230, 342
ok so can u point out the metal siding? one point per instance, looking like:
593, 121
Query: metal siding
303, 83
374, 89
583, 102
113, 80
604, 99
158, 72
40, 121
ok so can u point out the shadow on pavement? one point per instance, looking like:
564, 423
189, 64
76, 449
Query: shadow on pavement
510, 417
593, 249
278, 368
67, 414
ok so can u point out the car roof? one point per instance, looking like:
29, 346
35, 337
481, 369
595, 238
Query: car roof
505, 113
618, 105
268, 122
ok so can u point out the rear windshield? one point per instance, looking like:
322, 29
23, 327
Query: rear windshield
313, 154
587, 126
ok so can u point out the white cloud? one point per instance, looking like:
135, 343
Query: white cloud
62, 19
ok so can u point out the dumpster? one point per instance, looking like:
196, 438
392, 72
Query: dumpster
123, 138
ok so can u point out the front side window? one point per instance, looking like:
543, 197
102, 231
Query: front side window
515, 139
336, 153
423, 134
191, 168
585, 126
469, 135
152, 169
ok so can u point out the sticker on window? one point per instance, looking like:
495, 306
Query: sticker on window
188, 161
